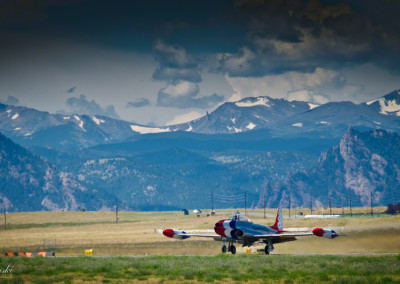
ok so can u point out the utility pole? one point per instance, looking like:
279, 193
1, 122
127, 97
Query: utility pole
116, 210
372, 213
264, 197
212, 200
342, 205
311, 206
351, 213
330, 205
245, 202
5, 218
289, 207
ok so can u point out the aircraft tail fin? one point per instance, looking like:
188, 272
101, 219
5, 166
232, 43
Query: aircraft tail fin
278, 226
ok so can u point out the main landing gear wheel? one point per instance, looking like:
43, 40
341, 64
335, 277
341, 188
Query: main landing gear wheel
266, 250
223, 248
233, 249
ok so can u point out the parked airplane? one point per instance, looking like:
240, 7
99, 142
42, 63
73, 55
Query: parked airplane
240, 229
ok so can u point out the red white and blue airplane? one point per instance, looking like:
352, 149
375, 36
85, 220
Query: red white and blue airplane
240, 229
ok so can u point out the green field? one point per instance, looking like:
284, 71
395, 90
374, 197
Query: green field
220, 268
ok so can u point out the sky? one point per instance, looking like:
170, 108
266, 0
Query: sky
166, 62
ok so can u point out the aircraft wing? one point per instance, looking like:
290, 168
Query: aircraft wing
182, 235
285, 235
201, 235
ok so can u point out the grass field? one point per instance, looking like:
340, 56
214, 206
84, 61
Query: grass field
220, 268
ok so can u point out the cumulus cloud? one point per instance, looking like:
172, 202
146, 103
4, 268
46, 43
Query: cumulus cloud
184, 94
172, 56
11, 100
142, 102
318, 87
181, 73
81, 105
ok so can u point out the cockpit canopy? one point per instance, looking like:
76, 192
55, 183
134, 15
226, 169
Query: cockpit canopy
239, 217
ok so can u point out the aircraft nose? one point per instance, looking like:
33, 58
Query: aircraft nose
219, 228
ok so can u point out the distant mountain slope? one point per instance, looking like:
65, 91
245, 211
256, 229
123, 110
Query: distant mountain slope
333, 119
177, 178
244, 115
27, 183
31, 127
364, 163
386, 105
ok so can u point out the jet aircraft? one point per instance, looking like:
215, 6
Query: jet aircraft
240, 229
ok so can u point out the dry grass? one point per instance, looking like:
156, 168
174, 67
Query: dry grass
135, 233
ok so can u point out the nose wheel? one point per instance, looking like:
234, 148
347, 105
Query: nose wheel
223, 248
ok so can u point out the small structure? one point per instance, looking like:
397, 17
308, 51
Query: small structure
88, 252
185, 212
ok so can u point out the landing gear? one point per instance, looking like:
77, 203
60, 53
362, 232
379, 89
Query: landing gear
233, 249
269, 247
266, 250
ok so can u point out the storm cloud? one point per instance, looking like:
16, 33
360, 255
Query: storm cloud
303, 35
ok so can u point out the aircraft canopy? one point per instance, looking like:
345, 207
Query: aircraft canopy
239, 217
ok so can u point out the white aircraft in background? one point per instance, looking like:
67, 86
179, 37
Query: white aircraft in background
240, 229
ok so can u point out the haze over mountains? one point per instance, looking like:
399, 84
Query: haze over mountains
255, 144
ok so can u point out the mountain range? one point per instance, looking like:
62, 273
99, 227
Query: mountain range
275, 118
312, 153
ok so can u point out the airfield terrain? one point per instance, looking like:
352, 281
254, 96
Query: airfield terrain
137, 233
369, 252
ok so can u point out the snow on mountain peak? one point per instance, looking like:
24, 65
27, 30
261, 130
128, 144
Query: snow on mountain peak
387, 106
96, 120
251, 126
147, 130
312, 106
250, 102
299, 124
15, 116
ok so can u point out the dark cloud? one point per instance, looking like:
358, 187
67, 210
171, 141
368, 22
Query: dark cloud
13, 101
71, 90
142, 102
185, 95
174, 64
302, 35
81, 105
181, 72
